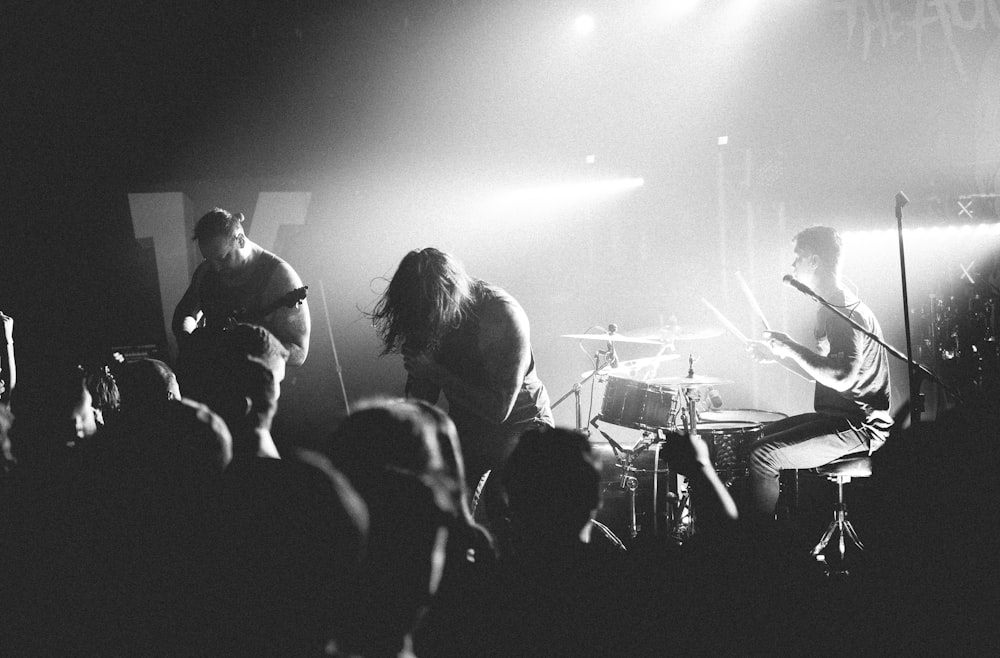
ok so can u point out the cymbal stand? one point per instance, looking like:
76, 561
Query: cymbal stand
684, 525
656, 488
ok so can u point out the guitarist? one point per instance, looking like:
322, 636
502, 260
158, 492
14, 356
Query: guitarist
240, 281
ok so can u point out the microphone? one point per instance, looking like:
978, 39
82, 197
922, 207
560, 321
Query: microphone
714, 399
792, 282
901, 201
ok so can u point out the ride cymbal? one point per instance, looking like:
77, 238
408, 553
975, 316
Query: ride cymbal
697, 380
671, 332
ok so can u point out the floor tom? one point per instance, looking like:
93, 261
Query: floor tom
729, 447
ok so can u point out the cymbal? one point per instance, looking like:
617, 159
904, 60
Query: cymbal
627, 367
616, 337
697, 380
671, 332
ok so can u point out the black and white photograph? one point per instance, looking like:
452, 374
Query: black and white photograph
366, 328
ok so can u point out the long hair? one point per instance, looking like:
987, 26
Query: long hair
429, 294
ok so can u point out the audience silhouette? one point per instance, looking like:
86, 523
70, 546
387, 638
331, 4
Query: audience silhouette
135, 520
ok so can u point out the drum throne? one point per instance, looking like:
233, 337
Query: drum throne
840, 471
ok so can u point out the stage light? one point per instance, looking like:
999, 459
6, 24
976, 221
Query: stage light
738, 12
743, 7
677, 8
540, 201
934, 232
937, 257
584, 25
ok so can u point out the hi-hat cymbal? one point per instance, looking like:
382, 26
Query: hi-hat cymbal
671, 332
696, 380
616, 337
629, 367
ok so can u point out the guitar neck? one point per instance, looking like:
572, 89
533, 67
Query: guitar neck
290, 299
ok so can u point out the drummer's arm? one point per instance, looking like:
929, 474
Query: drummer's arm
838, 371
761, 352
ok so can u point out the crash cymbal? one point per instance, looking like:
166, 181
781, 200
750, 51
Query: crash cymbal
696, 380
615, 337
671, 332
629, 367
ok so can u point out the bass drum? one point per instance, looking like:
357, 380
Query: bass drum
651, 514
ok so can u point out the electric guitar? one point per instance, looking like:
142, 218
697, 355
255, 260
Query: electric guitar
291, 299
208, 338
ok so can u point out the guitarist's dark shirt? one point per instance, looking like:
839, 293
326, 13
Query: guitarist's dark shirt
243, 302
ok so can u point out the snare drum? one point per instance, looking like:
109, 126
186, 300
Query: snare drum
740, 416
729, 447
641, 405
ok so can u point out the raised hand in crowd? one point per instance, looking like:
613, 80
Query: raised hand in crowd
8, 367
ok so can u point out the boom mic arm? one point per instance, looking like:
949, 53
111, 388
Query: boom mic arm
791, 281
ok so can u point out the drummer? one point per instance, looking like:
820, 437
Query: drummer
851, 371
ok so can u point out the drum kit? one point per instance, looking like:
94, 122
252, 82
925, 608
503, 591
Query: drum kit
657, 500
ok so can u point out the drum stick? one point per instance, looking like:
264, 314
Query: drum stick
753, 301
733, 329
739, 334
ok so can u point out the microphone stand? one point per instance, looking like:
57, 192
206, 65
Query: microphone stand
913, 365
333, 345
913, 379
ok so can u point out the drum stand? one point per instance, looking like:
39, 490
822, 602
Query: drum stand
630, 483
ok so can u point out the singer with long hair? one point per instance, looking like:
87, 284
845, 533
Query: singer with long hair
470, 341
851, 371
